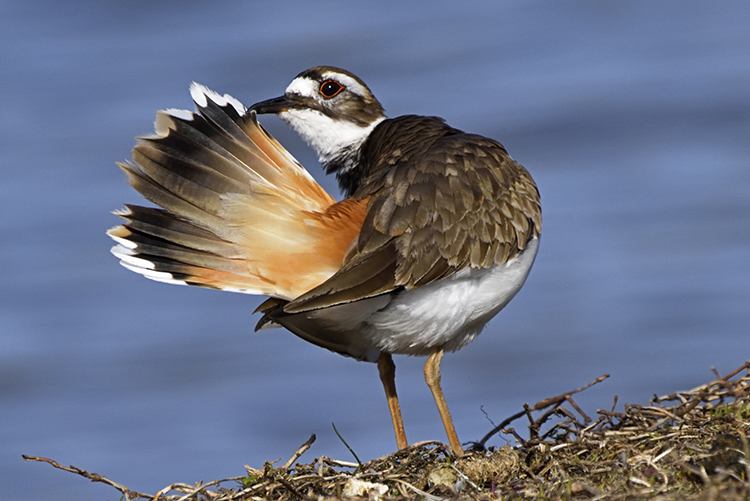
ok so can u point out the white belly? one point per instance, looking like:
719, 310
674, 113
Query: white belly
450, 313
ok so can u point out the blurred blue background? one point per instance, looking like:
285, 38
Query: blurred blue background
633, 117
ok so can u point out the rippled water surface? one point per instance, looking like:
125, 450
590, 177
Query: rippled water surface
633, 117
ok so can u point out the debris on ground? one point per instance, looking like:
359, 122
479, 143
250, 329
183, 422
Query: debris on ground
690, 445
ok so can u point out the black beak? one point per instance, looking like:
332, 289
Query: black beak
275, 105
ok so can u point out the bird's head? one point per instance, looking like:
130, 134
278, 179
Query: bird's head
332, 110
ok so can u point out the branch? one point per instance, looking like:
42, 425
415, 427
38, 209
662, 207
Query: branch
94, 477
542, 404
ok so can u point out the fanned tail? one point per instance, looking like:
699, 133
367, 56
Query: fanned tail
238, 212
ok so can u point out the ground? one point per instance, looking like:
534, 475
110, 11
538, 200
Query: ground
690, 445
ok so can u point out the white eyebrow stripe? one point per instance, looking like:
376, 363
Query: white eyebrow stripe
346, 81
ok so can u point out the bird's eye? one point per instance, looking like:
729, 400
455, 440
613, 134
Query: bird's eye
330, 88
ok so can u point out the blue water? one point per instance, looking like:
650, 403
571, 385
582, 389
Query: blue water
633, 117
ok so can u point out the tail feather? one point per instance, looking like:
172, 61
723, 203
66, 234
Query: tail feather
160, 224
189, 146
164, 197
238, 212
165, 250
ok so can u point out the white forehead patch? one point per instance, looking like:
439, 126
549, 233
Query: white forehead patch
303, 86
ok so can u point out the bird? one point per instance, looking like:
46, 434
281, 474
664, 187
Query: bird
437, 231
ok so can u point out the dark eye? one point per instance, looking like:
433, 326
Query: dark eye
330, 88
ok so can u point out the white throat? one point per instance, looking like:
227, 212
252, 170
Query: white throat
331, 139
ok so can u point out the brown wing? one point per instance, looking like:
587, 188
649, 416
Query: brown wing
237, 211
437, 204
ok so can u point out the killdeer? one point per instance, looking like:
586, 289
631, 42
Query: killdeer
437, 233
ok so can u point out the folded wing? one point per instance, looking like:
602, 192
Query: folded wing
449, 201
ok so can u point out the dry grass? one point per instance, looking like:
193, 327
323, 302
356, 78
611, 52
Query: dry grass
689, 445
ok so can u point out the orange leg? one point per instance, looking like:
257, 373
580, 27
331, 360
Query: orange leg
387, 370
432, 377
